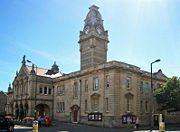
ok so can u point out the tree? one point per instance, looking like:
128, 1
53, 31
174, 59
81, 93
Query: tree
168, 95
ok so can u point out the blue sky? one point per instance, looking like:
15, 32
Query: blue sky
140, 31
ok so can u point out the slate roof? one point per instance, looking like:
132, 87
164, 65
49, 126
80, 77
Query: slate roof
43, 72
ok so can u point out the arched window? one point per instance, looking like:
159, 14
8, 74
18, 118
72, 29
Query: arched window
96, 83
75, 90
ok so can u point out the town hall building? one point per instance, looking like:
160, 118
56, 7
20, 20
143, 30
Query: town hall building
101, 93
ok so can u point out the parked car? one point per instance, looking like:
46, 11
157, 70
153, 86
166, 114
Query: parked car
6, 124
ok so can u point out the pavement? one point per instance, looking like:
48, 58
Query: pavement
69, 127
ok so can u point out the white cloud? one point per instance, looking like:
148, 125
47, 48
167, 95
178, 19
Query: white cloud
33, 50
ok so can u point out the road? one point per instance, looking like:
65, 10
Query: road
68, 127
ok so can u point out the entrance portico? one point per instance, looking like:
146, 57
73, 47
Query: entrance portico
75, 113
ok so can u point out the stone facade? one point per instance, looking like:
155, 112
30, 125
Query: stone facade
32, 93
106, 92
3, 102
122, 89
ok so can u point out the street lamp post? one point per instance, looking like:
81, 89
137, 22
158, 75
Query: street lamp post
35, 90
151, 97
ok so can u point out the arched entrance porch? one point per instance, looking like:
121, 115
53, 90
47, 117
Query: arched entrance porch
43, 110
75, 112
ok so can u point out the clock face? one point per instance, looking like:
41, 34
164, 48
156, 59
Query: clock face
99, 30
86, 30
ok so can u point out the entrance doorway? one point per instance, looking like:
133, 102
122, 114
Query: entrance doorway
42, 110
156, 120
75, 109
75, 115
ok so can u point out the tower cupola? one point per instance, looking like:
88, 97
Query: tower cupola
55, 68
93, 17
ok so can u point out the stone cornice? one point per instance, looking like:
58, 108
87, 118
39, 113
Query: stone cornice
97, 36
108, 65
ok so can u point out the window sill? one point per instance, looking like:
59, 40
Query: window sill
60, 94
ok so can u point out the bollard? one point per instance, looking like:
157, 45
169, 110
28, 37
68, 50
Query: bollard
35, 126
160, 118
161, 126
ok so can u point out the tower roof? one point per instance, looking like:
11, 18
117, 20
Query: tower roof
93, 17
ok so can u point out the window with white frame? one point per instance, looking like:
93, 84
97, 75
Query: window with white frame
107, 81
96, 83
128, 104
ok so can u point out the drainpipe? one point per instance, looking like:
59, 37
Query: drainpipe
104, 103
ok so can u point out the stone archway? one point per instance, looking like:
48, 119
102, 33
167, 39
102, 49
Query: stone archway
75, 111
43, 110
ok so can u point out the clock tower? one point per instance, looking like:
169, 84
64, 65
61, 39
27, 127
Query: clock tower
93, 40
